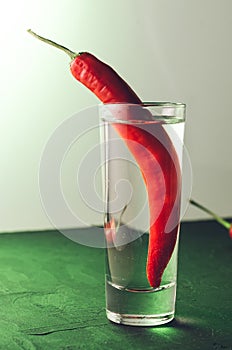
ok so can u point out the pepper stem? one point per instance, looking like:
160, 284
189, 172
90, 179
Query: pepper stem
221, 221
50, 42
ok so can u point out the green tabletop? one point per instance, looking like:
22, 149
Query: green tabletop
52, 295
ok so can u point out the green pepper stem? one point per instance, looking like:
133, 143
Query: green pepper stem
221, 221
53, 43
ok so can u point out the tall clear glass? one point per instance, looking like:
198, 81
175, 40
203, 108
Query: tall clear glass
143, 147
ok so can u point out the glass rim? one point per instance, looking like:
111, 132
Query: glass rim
164, 104
161, 112
149, 104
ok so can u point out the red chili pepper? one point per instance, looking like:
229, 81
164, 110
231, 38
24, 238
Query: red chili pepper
109, 87
230, 231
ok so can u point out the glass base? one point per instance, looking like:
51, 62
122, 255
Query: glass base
140, 307
139, 320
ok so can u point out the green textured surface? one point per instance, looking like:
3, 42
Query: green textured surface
52, 295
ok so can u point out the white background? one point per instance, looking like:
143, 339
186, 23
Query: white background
169, 50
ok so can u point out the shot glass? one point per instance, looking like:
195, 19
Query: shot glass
142, 179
